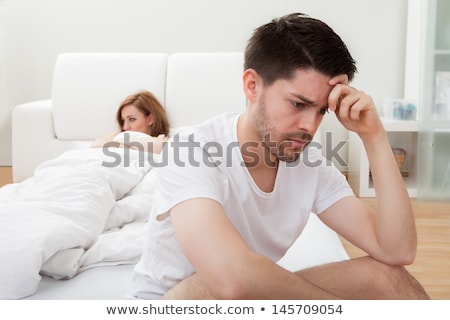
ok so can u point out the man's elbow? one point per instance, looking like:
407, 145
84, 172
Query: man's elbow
406, 257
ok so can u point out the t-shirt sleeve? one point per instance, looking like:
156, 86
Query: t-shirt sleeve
186, 172
332, 187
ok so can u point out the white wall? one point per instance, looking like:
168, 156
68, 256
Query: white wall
6, 90
38, 30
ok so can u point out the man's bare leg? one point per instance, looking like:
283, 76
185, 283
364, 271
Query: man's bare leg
361, 278
365, 278
189, 289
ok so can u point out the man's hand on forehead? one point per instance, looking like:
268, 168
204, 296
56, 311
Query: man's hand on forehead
342, 79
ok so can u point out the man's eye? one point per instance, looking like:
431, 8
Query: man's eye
297, 105
323, 110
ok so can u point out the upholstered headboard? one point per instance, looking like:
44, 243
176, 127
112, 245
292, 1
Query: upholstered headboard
88, 88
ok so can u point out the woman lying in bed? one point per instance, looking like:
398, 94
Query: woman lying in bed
143, 124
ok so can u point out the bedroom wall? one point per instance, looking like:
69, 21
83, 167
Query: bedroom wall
6, 79
38, 30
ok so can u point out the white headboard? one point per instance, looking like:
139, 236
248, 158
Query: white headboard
201, 85
89, 87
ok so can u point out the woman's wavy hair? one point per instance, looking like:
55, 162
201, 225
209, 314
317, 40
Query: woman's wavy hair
148, 104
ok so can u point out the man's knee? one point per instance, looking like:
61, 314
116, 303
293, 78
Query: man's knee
395, 281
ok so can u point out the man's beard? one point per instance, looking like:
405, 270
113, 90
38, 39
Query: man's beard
282, 148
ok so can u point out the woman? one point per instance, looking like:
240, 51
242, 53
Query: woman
141, 119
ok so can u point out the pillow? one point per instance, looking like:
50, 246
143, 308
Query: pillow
81, 144
174, 131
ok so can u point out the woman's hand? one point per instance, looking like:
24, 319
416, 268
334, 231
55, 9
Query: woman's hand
162, 138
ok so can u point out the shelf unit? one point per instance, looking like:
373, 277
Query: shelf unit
402, 134
427, 141
427, 60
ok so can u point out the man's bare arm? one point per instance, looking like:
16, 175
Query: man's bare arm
225, 267
387, 234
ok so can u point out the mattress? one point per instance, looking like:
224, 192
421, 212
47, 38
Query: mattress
99, 283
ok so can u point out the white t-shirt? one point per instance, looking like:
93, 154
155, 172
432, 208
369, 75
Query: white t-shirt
205, 161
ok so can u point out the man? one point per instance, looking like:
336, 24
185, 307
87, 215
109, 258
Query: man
237, 190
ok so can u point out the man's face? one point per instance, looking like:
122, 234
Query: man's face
288, 113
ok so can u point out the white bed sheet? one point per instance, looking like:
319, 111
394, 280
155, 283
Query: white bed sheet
99, 283
74, 214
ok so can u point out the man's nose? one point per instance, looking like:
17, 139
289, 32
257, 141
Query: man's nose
308, 120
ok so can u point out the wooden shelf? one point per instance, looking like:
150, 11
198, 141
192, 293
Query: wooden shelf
402, 134
400, 125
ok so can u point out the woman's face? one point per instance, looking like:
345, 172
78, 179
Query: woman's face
134, 119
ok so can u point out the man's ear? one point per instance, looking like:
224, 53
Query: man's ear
251, 81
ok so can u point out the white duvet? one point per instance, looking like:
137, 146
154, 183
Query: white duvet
73, 214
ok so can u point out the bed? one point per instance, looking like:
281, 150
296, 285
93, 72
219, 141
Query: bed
71, 230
